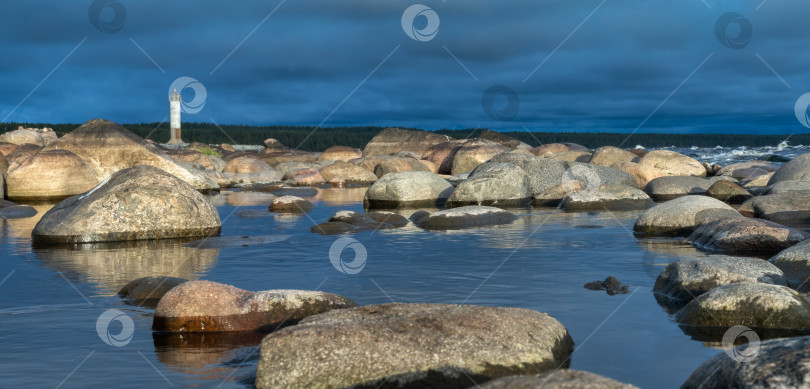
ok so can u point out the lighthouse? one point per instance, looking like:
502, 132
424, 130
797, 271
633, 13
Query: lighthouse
174, 114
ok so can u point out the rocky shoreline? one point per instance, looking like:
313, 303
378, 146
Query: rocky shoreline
114, 186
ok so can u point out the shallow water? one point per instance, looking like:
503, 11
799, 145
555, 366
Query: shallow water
51, 298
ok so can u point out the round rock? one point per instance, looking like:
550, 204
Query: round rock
745, 236
682, 215
408, 189
465, 217
557, 379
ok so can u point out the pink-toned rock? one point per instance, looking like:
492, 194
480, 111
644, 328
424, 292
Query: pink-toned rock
609, 155
394, 140
290, 204
341, 173
205, 306
272, 146
49, 175
554, 148
340, 153
246, 165
572, 156
475, 152
192, 156
6, 148
443, 154
398, 165
673, 164
227, 147
310, 176
21, 153
644, 174
430, 165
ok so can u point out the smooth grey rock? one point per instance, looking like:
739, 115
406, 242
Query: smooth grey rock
465, 217
745, 236
685, 279
788, 186
493, 183
412, 345
408, 189
784, 208
671, 187
682, 215
795, 263
609, 198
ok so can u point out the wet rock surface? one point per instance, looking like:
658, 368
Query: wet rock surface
465, 217
610, 285
745, 236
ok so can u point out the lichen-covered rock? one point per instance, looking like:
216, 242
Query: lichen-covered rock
557, 379
673, 163
493, 183
291, 204
682, 215
728, 192
147, 291
778, 363
408, 189
465, 217
412, 345
106, 148
745, 236
205, 306
607, 197
340, 153
754, 305
475, 152
685, 279
49, 175
342, 173
143, 202
783, 208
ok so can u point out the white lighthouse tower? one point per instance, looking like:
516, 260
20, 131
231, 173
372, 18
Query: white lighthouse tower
174, 114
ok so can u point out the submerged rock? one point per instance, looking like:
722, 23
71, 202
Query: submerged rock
777, 363
292, 191
610, 285
682, 281
290, 204
205, 306
408, 189
465, 217
391, 218
754, 305
557, 379
682, 215
147, 291
745, 236
136, 203
350, 221
412, 345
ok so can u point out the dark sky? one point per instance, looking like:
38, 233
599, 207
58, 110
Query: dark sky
572, 64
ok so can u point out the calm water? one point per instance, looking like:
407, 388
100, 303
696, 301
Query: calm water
51, 298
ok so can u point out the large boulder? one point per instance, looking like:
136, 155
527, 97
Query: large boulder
393, 140
136, 203
412, 345
797, 169
788, 186
504, 140
573, 156
545, 175
21, 153
398, 165
22, 136
342, 173
549, 149
747, 170
682, 215
493, 183
310, 176
643, 173
745, 236
192, 156
205, 306
442, 154
274, 159
49, 175
241, 165
340, 153
784, 208
290, 204
475, 152
609, 155
671, 187
775, 363
729, 192
607, 197
408, 189
754, 305
107, 147
795, 263
557, 379
685, 279
465, 217
673, 164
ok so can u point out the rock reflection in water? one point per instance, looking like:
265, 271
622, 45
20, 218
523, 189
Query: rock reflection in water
113, 265
210, 356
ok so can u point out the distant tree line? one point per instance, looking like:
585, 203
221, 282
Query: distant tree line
317, 139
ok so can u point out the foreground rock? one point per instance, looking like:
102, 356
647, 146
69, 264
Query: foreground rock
137, 203
493, 183
673, 164
795, 263
147, 291
408, 189
607, 197
557, 379
10, 210
205, 306
49, 175
779, 363
412, 345
754, 305
465, 217
682, 215
745, 236
290, 204
784, 208
682, 281
106, 148
394, 140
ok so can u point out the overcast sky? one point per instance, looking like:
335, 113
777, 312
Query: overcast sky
572, 65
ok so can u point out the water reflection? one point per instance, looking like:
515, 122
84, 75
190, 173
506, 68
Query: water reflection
112, 265
211, 356
341, 196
